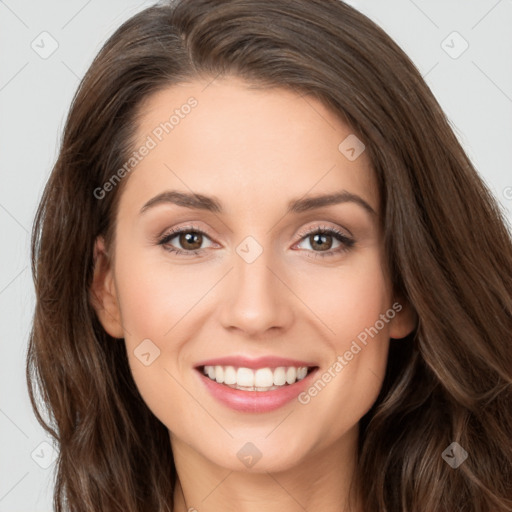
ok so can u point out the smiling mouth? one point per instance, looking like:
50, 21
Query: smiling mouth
261, 379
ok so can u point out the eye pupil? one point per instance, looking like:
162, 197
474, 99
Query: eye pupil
318, 238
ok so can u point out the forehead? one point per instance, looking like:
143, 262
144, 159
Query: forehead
251, 146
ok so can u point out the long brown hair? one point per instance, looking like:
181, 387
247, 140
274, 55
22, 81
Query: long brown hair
447, 245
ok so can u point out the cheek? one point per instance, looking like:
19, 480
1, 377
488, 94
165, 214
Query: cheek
355, 305
157, 304
155, 297
345, 299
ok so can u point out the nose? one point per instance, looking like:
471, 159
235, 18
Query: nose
256, 298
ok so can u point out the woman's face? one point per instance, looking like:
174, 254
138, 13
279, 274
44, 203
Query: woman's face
255, 293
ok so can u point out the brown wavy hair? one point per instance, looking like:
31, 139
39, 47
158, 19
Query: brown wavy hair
447, 243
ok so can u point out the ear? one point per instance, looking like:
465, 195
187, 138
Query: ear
404, 321
103, 295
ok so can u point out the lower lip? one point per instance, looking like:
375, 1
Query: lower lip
255, 401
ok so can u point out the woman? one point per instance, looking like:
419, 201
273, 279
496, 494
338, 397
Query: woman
336, 336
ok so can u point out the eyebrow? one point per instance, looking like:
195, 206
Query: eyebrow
212, 204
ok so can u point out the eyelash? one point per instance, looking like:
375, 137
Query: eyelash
347, 242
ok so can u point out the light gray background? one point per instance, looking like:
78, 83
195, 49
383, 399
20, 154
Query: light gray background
475, 90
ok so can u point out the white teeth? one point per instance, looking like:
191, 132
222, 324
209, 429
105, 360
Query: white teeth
262, 379
245, 377
301, 373
280, 376
229, 375
291, 375
219, 374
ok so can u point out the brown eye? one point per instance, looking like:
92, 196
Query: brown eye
190, 240
320, 241
184, 241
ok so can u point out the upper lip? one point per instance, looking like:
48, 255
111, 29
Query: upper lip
254, 363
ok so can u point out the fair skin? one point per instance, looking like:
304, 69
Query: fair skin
254, 151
